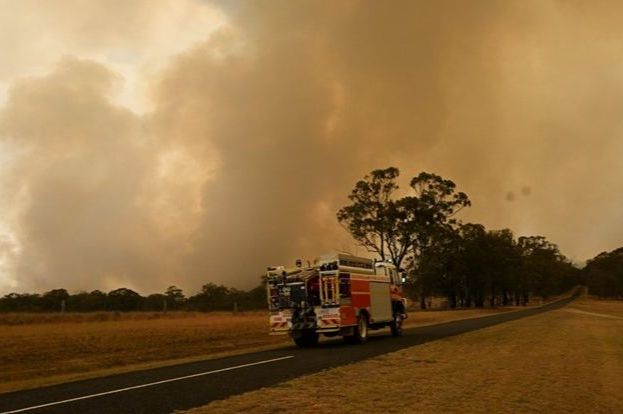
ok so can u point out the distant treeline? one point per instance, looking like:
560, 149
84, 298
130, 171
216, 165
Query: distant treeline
604, 274
212, 297
479, 267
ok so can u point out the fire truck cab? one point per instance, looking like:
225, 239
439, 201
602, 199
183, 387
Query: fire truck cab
340, 294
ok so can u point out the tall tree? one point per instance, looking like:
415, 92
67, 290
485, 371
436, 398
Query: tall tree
368, 217
435, 203
545, 266
53, 300
123, 299
434, 206
395, 229
604, 274
175, 297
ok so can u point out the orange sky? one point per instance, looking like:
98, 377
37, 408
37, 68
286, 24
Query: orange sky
149, 143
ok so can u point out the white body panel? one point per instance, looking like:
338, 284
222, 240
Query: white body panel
380, 302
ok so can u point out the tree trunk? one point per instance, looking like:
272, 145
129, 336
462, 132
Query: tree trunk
492, 300
468, 298
452, 300
492, 297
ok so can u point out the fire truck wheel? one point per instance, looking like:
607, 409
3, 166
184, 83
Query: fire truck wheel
396, 324
360, 331
306, 339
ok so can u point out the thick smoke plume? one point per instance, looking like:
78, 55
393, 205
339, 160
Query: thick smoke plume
257, 134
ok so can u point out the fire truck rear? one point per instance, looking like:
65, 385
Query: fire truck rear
339, 295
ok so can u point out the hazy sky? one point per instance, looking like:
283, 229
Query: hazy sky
147, 143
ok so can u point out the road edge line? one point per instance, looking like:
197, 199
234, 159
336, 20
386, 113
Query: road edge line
150, 384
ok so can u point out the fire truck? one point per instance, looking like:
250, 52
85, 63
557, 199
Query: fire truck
339, 294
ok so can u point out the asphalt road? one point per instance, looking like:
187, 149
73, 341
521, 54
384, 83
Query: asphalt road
163, 390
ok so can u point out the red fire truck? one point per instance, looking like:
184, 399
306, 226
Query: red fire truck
339, 295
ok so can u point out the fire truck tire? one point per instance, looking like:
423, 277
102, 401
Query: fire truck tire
398, 318
306, 339
360, 331
396, 324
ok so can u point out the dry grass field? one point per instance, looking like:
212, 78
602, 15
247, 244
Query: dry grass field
57, 317
569, 360
85, 345
40, 349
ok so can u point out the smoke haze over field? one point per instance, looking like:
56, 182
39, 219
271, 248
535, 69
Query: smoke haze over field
145, 144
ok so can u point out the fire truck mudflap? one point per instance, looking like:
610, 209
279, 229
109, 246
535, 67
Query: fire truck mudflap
280, 323
328, 319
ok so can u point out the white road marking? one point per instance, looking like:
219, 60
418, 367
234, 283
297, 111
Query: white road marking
581, 312
85, 397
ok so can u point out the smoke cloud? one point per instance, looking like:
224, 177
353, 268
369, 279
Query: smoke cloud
253, 137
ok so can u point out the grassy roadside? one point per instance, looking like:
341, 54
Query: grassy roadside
40, 350
562, 361
37, 354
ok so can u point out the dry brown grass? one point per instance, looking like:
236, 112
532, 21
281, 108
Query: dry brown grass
41, 349
428, 317
38, 353
554, 362
594, 305
44, 318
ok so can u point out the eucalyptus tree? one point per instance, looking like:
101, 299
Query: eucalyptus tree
369, 216
398, 228
604, 274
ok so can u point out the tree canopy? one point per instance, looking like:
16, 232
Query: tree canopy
604, 274
398, 228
